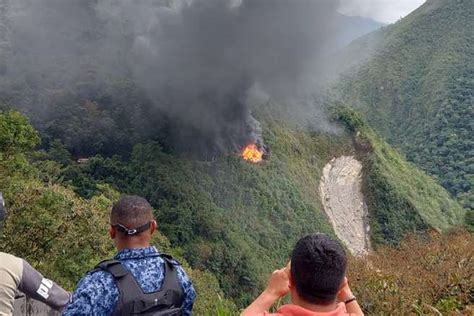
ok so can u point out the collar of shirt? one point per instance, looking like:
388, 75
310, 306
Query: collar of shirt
136, 253
294, 310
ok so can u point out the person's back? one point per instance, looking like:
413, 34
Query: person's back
18, 275
98, 292
315, 277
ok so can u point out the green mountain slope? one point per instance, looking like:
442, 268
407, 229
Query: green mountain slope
229, 219
401, 198
233, 218
60, 233
418, 91
239, 220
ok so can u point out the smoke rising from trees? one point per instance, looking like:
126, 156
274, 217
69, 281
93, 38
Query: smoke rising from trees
196, 60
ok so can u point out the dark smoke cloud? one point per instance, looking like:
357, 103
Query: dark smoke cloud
196, 59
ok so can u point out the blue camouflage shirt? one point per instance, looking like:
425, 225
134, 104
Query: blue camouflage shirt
97, 294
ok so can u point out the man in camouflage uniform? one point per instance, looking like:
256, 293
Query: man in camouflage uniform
132, 226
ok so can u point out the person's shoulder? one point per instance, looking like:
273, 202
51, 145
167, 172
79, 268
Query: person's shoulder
151, 262
96, 279
12, 264
182, 275
95, 294
176, 264
98, 274
9, 259
169, 258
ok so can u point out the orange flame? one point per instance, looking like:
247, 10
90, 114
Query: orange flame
252, 153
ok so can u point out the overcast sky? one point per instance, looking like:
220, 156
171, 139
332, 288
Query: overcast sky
386, 11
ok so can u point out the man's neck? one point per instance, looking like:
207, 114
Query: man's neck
313, 307
130, 247
131, 244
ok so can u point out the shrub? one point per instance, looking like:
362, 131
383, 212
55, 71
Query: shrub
430, 275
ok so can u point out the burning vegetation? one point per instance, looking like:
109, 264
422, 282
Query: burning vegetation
253, 153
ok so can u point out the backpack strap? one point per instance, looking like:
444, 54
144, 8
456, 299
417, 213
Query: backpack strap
114, 267
128, 288
171, 280
171, 284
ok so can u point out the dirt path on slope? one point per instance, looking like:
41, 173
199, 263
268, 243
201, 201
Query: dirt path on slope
343, 201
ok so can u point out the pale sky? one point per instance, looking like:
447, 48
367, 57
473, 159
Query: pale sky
386, 11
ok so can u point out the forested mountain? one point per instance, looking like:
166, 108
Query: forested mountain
417, 91
83, 138
228, 217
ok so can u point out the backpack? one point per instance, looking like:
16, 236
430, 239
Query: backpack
167, 301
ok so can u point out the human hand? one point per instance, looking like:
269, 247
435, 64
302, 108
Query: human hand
279, 282
344, 291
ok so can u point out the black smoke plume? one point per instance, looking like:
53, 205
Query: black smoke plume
197, 60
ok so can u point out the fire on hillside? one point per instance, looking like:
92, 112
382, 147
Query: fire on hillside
253, 153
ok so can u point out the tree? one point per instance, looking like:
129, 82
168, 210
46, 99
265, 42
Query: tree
16, 134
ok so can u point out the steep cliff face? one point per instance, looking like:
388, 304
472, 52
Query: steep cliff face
343, 201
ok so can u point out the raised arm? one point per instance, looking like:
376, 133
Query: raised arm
278, 286
346, 296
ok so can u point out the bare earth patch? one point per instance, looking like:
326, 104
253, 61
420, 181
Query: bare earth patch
341, 193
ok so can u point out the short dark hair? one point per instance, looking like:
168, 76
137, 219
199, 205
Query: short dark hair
131, 211
318, 267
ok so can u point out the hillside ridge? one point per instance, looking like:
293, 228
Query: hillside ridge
417, 91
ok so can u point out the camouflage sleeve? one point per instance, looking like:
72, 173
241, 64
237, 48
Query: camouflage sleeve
34, 285
96, 294
188, 290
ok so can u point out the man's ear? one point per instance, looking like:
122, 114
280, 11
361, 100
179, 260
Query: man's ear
290, 280
112, 232
153, 227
